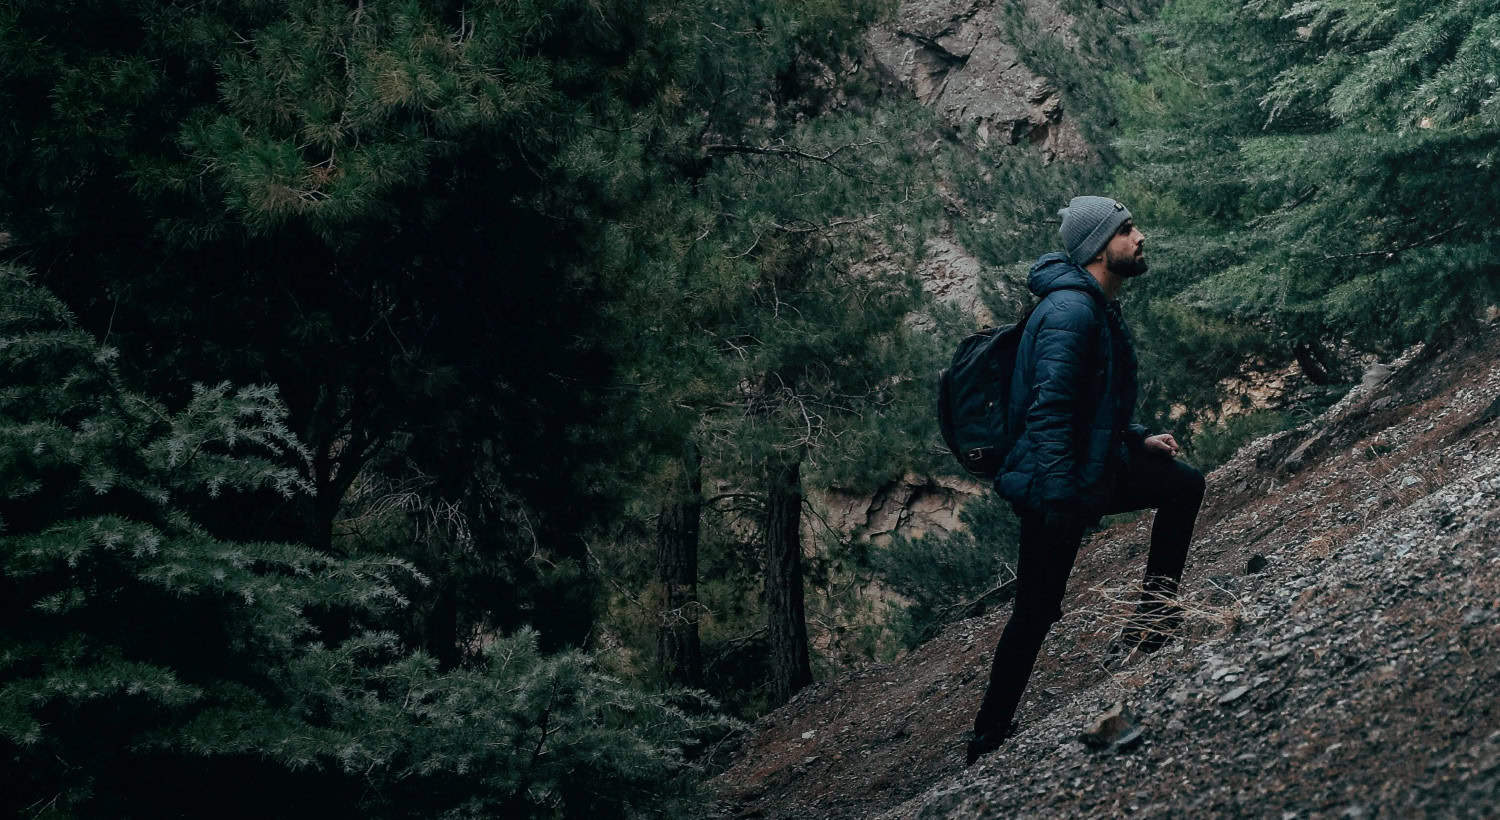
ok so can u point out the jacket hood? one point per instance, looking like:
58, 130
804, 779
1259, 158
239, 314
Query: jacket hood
1055, 271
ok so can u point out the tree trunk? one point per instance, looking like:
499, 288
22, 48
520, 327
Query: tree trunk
442, 625
786, 618
678, 652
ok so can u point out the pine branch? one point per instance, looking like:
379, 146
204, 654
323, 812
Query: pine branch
721, 149
732, 644
944, 614
1390, 253
722, 496
536, 753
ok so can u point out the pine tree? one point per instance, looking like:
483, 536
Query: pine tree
784, 351
149, 668
679, 651
125, 622
1331, 170
818, 349
405, 215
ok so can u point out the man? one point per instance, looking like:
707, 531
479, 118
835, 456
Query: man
1078, 456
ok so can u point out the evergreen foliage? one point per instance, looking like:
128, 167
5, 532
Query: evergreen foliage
445, 234
1217, 444
949, 576
1330, 174
1086, 61
497, 266
149, 668
785, 344
1302, 183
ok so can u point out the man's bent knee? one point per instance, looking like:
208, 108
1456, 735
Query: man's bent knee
1190, 482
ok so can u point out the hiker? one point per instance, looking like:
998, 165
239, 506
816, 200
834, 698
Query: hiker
1078, 455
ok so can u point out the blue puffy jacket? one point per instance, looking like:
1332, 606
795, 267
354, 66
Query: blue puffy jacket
1073, 394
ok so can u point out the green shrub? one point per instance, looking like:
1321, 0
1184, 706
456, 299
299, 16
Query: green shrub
945, 577
149, 668
1217, 444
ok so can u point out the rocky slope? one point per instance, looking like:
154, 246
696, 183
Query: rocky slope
1342, 657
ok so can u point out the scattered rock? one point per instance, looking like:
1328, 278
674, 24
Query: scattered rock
1276, 655
1233, 695
1114, 728
1129, 740
1490, 413
1225, 672
1300, 456
1374, 375
1371, 634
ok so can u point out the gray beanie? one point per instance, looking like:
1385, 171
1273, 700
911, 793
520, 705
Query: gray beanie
1087, 224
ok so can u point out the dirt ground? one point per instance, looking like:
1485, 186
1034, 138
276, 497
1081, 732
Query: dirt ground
1341, 655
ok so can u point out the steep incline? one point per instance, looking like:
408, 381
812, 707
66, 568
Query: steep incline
1343, 654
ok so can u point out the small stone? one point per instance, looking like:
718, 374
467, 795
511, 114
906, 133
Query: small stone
808, 735
1276, 655
1410, 481
1233, 695
1113, 727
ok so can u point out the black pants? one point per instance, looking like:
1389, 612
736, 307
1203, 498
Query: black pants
1049, 544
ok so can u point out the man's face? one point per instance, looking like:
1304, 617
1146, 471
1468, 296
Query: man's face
1125, 255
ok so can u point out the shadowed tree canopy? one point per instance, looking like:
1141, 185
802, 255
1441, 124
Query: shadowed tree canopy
418, 220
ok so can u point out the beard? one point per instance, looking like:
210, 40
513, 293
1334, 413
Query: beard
1125, 267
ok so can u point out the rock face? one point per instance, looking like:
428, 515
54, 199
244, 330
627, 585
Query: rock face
951, 57
913, 506
951, 274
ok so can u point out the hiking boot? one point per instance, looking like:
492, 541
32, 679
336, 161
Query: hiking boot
1154, 623
982, 743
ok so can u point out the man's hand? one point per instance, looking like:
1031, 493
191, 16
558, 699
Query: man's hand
1161, 443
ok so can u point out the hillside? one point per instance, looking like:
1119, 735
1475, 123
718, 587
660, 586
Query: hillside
1342, 657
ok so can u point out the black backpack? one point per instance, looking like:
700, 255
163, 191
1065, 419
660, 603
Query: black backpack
974, 397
